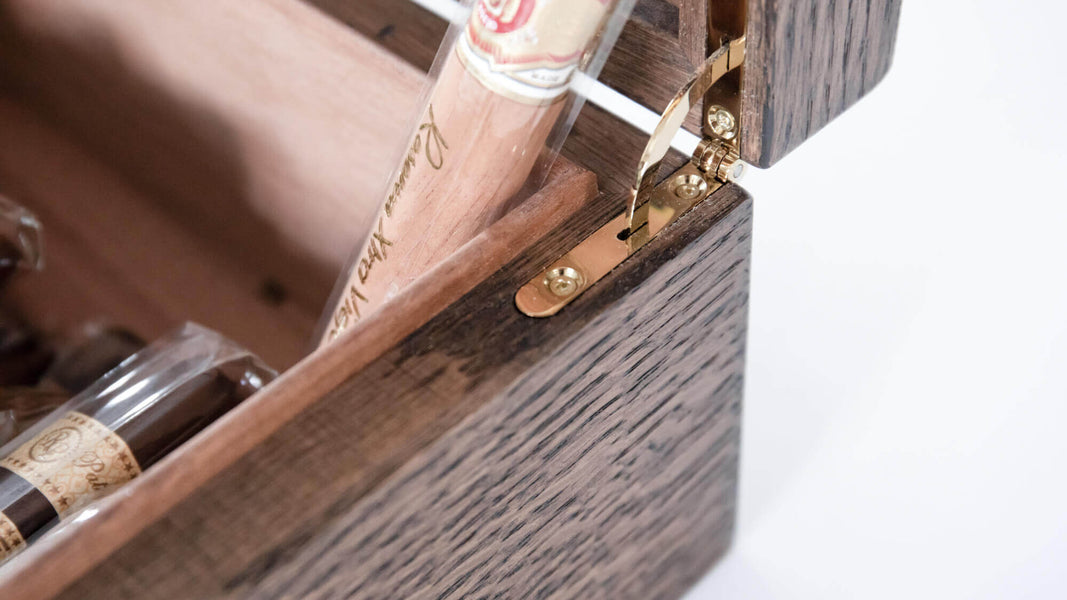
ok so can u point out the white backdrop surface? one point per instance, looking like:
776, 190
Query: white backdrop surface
906, 395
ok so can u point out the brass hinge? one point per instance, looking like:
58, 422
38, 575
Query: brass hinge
651, 207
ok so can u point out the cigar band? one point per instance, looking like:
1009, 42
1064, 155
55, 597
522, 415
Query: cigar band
73, 461
11, 540
528, 50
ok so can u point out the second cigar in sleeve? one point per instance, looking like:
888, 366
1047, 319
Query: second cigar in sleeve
498, 99
120, 426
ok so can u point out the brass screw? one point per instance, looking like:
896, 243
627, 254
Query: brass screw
563, 282
689, 186
722, 122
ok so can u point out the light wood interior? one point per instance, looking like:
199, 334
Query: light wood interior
68, 552
226, 182
218, 160
227, 185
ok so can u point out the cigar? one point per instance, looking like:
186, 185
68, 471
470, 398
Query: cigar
111, 433
22, 407
24, 354
89, 356
499, 94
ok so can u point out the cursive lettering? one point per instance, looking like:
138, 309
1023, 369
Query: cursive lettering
430, 143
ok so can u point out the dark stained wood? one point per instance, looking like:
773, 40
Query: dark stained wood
56, 560
610, 148
661, 47
807, 62
592, 454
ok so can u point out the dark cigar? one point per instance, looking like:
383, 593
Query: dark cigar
91, 355
182, 413
108, 435
23, 354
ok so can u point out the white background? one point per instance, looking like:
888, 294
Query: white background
905, 429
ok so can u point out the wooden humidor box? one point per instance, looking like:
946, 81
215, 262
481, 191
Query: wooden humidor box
217, 160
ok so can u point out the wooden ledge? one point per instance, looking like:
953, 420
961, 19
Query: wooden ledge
57, 560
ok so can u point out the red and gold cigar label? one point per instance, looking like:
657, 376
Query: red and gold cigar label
498, 96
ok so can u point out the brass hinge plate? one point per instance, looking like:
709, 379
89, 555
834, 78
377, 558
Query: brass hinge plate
651, 207
609, 246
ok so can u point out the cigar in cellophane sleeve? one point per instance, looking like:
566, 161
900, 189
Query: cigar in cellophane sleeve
83, 356
494, 114
118, 427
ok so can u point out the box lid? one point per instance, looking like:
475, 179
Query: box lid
807, 60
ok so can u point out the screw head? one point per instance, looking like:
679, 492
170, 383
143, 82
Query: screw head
563, 282
738, 171
688, 187
722, 122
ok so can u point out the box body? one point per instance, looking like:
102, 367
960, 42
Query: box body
232, 152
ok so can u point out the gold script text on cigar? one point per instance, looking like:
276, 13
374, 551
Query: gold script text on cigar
433, 148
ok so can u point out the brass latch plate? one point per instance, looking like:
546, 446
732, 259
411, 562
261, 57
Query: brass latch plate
651, 207
610, 245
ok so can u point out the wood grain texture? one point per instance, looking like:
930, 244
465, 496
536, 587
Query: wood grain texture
622, 448
807, 62
265, 142
588, 455
58, 559
660, 48
610, 148
267, 127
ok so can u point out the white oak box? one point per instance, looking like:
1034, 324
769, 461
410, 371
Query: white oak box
217, 161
